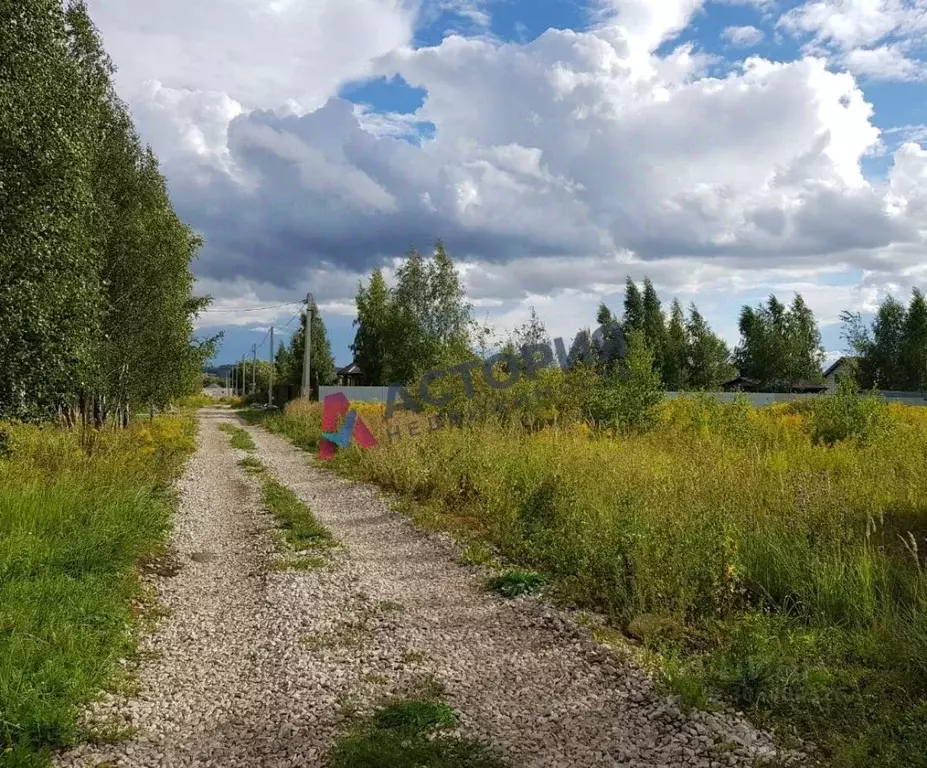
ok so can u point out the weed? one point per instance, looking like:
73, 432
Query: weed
415, 716
252, 465
478, 553
241, 440
786, 543
387, 606
300, 528
350, 635
411, 733
517, 582
412, 657
372, 678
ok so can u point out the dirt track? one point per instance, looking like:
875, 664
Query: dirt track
253, 667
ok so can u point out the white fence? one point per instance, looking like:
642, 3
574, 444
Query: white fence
381, 395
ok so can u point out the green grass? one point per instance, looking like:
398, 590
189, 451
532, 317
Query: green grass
300, 531
300, 528
411, 733
240, 437
252, 465
517, 581
74, 523
477, 553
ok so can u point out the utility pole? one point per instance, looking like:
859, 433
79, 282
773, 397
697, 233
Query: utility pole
270, 385
307, 388
244, 385
254, 369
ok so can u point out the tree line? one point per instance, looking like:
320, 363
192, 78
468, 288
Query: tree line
891, 350
96, 287
424, 322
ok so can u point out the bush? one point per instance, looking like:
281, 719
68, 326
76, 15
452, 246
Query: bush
626, 399
847, 414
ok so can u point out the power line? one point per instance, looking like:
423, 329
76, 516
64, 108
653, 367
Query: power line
298, 313
254, 309
281, 330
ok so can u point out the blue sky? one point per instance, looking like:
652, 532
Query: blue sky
727, 149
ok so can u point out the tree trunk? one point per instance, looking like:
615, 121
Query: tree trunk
97, 412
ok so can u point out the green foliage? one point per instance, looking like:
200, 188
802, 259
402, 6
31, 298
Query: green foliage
756, 556
420, 324
674, 371
847, 414
633, 307
913, 357
627, 398
322, 370
300, 527
294, 423
707, 356
415, 716
892, 350
75, 520
687, 355
531, 333
50, 278
252, 466
654, 322
779, 345
96, 306
517, 582
370, 340
411, 733
241, 440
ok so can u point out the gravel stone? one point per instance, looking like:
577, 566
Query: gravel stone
255, 667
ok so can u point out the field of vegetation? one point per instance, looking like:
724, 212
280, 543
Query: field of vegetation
775, 555
80, 513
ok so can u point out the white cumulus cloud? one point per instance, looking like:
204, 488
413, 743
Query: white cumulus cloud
743, 37
557, 166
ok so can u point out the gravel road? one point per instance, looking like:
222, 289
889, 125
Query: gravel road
255, 667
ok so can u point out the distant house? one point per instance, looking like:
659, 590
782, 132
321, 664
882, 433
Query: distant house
845, 365
741, 384
350, 376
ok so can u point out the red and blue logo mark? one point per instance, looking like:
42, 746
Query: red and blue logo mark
353, 427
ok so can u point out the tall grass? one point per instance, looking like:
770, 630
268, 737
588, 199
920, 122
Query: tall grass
777, 554
77, 513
